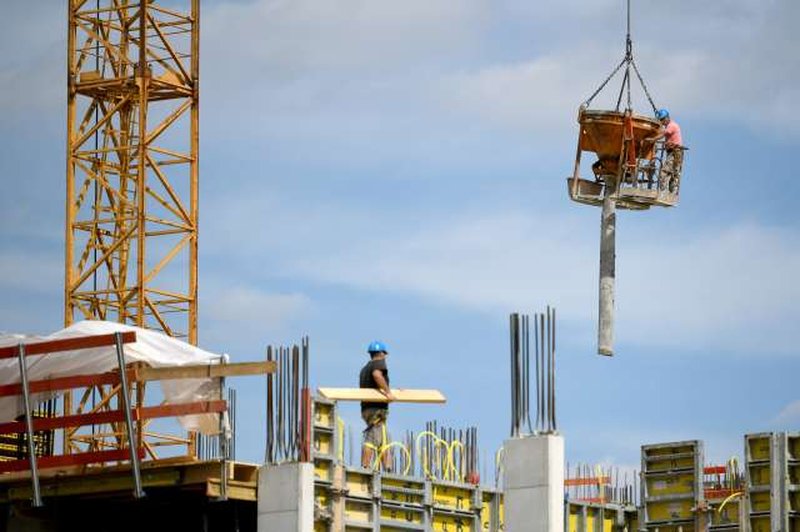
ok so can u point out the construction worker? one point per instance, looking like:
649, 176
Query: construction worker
673, 145
375, 374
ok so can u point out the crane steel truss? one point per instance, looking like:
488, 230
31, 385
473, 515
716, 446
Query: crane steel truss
132, 165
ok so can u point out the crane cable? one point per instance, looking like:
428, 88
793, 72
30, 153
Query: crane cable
628, 61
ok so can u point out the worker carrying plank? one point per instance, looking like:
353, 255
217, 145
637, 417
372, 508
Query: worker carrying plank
375, 374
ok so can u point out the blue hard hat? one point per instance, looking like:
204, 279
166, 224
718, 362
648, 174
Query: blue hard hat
377, 347
661, 114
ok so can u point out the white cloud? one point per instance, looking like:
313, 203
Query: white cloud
719, 289
252, 306
730, 288
789, 415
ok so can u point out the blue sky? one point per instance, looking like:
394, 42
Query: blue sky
395, 170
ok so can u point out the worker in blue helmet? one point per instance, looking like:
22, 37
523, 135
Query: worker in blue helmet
375, 374
673, 147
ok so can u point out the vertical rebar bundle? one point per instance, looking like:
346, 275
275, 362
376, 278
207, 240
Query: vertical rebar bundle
544, 330
208, 446
288, 404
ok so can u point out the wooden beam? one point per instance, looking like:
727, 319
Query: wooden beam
115, 416
143, 374
61, 460
67, 344
375, 396
204, 371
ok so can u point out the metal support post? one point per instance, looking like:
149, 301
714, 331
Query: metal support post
123, 379
223, 445
23, 375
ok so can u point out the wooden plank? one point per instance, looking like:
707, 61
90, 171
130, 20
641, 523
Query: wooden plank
204, 371
373, 395
67, 344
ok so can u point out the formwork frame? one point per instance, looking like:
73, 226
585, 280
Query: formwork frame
132, 164
672, 495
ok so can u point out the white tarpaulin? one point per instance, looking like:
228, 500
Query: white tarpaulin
153, 348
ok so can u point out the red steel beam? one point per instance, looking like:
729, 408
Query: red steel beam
67, 344
62, 460
61, 383
114, 416
715, 470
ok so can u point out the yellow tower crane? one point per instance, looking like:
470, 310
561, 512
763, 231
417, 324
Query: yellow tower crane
132, 164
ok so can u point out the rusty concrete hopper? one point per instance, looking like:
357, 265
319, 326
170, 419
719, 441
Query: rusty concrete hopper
628, 158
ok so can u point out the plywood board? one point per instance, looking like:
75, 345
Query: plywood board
373, 395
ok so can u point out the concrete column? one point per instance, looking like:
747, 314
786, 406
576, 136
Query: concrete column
286, 498
534, 483
608, 223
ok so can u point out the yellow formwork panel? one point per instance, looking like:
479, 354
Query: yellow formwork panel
323, 415
670, 449
487, 510
678, 484
759, 447
760, 501
358, 484
669, 510
389, 528
452, 523
760, 524
453, 497
323, 443
794, 501
729, 514
322, 496
760, 475
793, 447
667, 464
501, 512
359, 512
403, 491
402, 516
323, 469
794, 474
591, 517
321, 526
608, 524
688, 527
574, 518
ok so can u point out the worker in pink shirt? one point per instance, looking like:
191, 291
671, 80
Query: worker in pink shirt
673, 145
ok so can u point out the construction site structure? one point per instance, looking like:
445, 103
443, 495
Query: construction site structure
633, 169
132, 164
672, 487
434, 487
772, 465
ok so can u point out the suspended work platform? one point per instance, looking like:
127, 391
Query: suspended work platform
630, 154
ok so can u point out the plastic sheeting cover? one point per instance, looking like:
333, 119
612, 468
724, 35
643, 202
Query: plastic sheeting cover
153, 348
